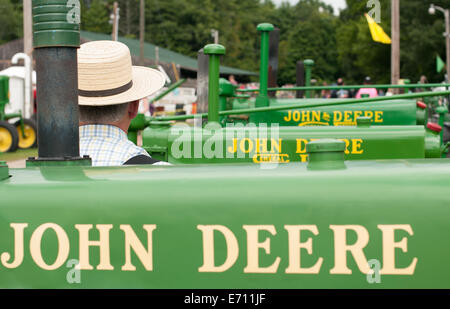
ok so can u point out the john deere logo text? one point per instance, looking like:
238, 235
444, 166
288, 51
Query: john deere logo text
337, 118
94, 253
264, 150
352, 146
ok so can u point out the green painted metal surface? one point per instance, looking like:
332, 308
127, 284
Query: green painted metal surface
395, 112
326, 154
132, 136
138, 123
307, 105
214, 51
442, 111
263, 99
381, 206
4, 99
157, 145
265, 27
238, 144
38, 162
422, 113
363, 122
4, 170
226, 91
4, 95
56, 23
433, 140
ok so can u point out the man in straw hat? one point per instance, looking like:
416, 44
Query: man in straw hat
109, 92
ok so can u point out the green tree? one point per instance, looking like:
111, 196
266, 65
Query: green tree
309, 33
420, 41
95, 16
358, 54
341, 46
11, 20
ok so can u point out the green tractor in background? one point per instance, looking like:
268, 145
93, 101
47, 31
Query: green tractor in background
23, 133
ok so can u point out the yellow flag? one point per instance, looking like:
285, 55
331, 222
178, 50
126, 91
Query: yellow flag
378, 34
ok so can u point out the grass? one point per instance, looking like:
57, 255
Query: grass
20, 154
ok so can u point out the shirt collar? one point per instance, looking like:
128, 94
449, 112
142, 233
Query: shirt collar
102, 130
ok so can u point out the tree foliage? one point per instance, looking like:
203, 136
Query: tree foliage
11, 20
421, 40
340, 45
95, 16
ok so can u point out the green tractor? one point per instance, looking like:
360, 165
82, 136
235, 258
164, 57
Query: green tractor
23, 133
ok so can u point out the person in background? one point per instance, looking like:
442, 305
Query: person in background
367, 92
326, 93
341, 93
233, 80
423, 80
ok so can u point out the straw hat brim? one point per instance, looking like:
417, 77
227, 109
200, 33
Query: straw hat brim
146, 82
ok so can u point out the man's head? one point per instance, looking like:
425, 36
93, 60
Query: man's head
109, 86
340, 81
119, 115
367, 80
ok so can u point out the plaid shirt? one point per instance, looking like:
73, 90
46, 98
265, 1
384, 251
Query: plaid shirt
107, 145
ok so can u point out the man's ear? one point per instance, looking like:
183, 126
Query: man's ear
133, 109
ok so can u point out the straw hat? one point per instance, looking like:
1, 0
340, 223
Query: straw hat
106, 75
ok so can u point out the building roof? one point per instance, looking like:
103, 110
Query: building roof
165, 55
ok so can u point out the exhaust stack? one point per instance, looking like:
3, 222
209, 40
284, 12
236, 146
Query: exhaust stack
56, 37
